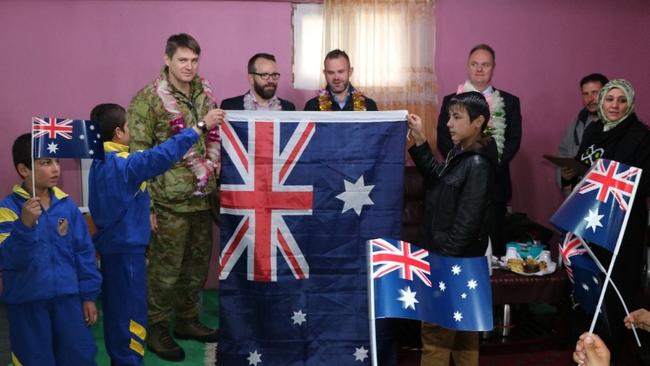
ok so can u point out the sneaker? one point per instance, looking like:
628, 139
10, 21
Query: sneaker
194, 329
162, 344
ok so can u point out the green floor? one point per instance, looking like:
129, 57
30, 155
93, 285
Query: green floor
196, 353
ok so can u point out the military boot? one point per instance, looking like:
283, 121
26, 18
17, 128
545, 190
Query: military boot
160, 342
194, 329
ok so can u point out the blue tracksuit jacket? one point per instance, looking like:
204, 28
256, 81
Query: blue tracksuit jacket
53, 258
118, 200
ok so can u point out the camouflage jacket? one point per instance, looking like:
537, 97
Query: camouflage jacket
149, 124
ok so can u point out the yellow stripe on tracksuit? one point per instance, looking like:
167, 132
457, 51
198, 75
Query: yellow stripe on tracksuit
137, 329
140, 332
14, 360
137, 347
6, 215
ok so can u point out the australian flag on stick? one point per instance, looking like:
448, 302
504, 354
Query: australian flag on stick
66, 138
583, 272
301, 193
412, 283
598, 208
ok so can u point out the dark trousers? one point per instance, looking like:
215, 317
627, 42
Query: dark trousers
50, 332
124, 300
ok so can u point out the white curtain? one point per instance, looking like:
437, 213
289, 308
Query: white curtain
391, 44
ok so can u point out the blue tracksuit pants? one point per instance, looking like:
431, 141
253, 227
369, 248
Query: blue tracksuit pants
124, 305
50, 333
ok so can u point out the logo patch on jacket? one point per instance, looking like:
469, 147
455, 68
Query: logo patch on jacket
63, 226
592, 154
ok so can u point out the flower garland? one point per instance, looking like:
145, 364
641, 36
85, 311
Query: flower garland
251, 104
325, 100
203, 166
496, 127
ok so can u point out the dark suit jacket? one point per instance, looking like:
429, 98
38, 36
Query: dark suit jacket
503, 185
312, 105
237, 104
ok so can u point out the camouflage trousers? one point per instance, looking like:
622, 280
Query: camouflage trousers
179, 254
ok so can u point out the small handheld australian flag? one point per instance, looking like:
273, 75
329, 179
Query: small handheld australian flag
66, 138
599, 206
412, 283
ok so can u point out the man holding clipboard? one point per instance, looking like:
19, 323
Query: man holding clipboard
590, 85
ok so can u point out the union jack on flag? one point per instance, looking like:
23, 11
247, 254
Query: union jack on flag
571, 246
598, 209
52, 126
264, 198
403, 257
608, 180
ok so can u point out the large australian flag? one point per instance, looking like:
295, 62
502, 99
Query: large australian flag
66, 138
412, 283
301, 193
598, 208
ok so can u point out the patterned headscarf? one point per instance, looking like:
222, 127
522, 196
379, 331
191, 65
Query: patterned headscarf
627, 89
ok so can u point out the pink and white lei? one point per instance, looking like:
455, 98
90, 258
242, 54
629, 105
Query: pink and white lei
251, 104
496, 126
203, 166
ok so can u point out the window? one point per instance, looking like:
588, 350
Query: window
307, 45
375, 37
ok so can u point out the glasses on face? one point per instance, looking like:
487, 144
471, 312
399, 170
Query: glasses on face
266, 75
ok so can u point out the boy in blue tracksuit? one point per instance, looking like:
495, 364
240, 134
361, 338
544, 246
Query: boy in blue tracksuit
119, 205
50, 273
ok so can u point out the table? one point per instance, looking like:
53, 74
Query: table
511, 288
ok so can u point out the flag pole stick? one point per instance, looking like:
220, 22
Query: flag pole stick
620, 297
32, 156
621, 233
371, 308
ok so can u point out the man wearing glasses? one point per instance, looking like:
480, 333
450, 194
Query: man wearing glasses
263, 77
339, 94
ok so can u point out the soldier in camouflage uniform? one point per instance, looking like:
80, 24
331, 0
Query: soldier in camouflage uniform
182, 240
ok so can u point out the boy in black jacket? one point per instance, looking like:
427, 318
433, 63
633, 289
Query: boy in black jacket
456, 208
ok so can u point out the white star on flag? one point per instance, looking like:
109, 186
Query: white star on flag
356, 195
595, 280
408, 298
585, 286
471, 284
299, 317
593, 220
52, 148
91, 152
254, 358
92, 127
458, 316
360, 353
456, 270
442, 286
463, 295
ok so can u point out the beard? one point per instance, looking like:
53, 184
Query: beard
267, 92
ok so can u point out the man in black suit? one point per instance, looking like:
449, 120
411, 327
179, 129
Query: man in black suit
339, 94
504, 127
263, 77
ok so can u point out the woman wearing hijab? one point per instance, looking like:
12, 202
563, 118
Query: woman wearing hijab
620, 136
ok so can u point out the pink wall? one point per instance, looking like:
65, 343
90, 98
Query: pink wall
543, 48
63, 57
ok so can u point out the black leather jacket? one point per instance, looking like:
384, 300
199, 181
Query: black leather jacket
458, 194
